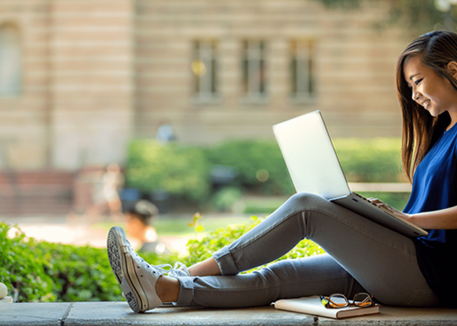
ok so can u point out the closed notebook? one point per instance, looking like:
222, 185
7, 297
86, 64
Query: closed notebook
313, 306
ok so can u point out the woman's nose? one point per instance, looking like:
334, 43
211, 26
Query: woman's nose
416, 95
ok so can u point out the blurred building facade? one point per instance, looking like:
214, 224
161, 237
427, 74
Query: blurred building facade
80, 78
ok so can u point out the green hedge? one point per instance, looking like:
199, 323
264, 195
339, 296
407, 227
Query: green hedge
185, 171
41, 271
22, 267
259, 162
370, 160
179, 170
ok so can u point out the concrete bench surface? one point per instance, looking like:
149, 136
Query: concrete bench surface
119, 313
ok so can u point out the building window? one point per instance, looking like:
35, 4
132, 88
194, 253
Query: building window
302, 74
204, 68
10, 61
254, 69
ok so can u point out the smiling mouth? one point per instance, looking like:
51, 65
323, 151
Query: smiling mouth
425, 104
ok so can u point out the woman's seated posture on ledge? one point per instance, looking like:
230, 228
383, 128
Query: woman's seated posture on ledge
361, 255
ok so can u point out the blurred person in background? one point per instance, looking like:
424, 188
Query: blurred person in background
139, 218
165, 133
113, 180
105, 195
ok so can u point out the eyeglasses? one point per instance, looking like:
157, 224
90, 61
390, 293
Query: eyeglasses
338, 300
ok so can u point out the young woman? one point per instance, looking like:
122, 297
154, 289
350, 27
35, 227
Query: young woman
361, 256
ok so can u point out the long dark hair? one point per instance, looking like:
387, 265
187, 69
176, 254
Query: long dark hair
420, 129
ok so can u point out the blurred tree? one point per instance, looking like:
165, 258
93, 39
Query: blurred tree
346, 4
421, 16
415, 16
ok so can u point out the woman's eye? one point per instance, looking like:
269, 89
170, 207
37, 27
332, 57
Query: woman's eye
418, 81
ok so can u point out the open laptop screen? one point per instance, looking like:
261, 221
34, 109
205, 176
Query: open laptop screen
310, 157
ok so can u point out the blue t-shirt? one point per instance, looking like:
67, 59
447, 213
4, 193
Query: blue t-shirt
435, 188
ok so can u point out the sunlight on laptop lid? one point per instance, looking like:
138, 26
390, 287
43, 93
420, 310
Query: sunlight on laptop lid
310, 157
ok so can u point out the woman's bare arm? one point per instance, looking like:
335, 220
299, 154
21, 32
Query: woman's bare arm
440, 219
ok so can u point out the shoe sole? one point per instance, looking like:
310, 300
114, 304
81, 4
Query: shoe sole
121, 263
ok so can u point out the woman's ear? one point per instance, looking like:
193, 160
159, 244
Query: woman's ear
452, 68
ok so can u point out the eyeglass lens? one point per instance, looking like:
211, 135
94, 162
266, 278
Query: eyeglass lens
338, 300
362, 300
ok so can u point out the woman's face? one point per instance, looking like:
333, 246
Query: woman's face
433, 92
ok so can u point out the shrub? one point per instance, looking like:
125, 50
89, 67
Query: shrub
224, 199
259, 162
370, 160
44, 271
22, 270
179, 170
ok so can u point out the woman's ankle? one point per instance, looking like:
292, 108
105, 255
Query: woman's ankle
167, 289
205, 268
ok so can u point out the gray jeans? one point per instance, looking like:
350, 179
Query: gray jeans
360, 256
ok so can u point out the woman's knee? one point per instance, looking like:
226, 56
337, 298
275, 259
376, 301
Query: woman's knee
307, 200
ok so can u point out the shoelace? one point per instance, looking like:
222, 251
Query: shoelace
178, 270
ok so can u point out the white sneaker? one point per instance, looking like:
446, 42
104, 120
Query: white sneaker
135, 276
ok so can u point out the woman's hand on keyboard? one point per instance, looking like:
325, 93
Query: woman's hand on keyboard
388, 208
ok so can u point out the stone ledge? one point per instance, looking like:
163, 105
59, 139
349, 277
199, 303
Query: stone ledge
119, 313
6, 300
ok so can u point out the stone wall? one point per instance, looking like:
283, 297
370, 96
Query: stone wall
91, 81
75, 108
25, 118
355, 67
98, 72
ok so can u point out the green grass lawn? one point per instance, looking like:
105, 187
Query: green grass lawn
179, 227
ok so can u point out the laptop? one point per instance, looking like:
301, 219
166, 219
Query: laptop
314, 168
